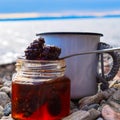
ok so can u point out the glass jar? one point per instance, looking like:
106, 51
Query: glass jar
40, 90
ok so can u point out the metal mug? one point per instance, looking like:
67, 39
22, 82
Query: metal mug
82, 70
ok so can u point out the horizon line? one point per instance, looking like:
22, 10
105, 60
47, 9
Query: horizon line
58, 14
57, 17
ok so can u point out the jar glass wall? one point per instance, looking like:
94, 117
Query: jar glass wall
40, 90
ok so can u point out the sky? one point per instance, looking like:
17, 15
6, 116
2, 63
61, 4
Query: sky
58, 6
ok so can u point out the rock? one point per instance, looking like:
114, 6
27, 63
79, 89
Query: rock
72, 105
83, 115
112, 83
116, 95
4, 99
117, 86
6, 90
109, 114
7, 109
1, 111
7, 118
99, 118
109, 92
94, 114
95, 106
74, 110
79, 115
7, 83
6, 78
1, 81
102, 102
88, 108
91, 100
114, 105
85, 107
11, 67
96, 99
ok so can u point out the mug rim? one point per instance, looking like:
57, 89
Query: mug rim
74, 33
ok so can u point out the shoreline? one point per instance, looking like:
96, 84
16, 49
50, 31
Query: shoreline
55, 18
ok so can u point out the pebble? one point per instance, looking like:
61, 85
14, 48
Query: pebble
6, 90
74, 110
1, 81
94, 114
4, 99
85, 108
6, 72
7, 109
79, 115
95, 106
5, 102
99, 118
116, 95
72, 105
6, 78
7, 118
7, 83
1, 111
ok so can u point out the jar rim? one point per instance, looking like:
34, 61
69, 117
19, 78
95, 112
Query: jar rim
39, 61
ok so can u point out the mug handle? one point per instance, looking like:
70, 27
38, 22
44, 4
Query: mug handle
104, 78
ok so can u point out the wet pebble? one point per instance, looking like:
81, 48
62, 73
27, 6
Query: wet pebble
7, 109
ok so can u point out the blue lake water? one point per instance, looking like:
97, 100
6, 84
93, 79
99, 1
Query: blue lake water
16, 35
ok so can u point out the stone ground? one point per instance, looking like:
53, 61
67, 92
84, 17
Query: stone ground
6, 72
95, 107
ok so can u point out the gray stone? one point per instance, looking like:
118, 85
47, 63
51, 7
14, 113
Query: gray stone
102, 102
94, 114
7, 109
1, 81
6, 78
72, 105
86, 107
99, 118
7, 118
74, 110
95, 106
1, 111
79, 115
6, 90
7, 83
4, 99
116, 95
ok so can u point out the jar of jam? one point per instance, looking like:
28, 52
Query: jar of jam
40, 90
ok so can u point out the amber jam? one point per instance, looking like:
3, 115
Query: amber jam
40, 95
